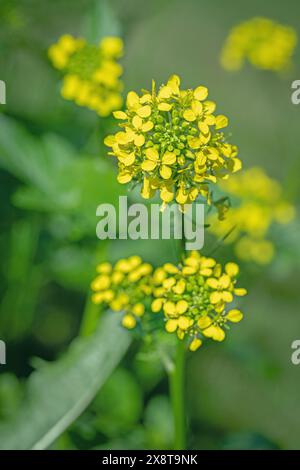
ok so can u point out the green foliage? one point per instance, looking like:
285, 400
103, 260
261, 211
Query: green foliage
56, 394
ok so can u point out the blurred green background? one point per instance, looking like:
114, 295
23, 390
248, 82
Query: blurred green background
243, 393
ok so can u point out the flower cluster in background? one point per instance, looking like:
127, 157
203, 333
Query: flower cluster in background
171, 141
192, 297
264, 43
257, 203
91, 72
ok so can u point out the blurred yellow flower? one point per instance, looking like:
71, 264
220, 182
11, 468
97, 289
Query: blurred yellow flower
123, 287
264, 43
91, 73
171, 141
257, 203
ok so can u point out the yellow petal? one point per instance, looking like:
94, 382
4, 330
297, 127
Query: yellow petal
182, 306
174, 83
195, 344
165, 92
147, 126
152, 154
128, 159
201, 93
180, 287
165, 172
213, 283
216, 297
189, 115
156, 305
204, 322
169, 308
240, 292
132, 100
227, 296
166, 194
144, 111
232, 269
183, 323
139, 140
109, 140
148, 165
171, 326
120, 115
234, 315
169, 158
124, 177
138, 309
137, 122
164, 106
221, 121
129, 321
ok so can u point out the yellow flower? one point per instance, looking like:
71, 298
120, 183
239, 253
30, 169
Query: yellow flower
124, 287
193, 298
91, 73
266, 44
171, 142
258, 203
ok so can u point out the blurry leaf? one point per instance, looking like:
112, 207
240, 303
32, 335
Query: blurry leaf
10, 395
73, 266
100, 21
23, 281
58, 393
119, 404
159, 423
248, 441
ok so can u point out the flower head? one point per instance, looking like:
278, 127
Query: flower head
257, 203
194, 297
123, 287
91, 72
171, 142
264, 43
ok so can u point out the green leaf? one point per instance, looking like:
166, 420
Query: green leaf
100, 21
57, 393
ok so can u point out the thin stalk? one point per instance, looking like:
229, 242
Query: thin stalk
177, 381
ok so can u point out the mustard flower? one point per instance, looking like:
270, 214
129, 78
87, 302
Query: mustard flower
171, 142
123, 287
266, 44
194, 298
91, 73
258, 202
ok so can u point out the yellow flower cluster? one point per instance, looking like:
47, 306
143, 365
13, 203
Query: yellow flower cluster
123, 287
193, 297
170, 141
257, 203
264, 43
91, 72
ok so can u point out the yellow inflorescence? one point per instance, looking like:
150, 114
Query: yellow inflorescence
123, 287
264, 43
193, 296
259, 203
171, 141
91, 72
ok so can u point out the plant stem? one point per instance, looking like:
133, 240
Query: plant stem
177, 381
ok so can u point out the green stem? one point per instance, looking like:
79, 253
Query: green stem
177, 381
